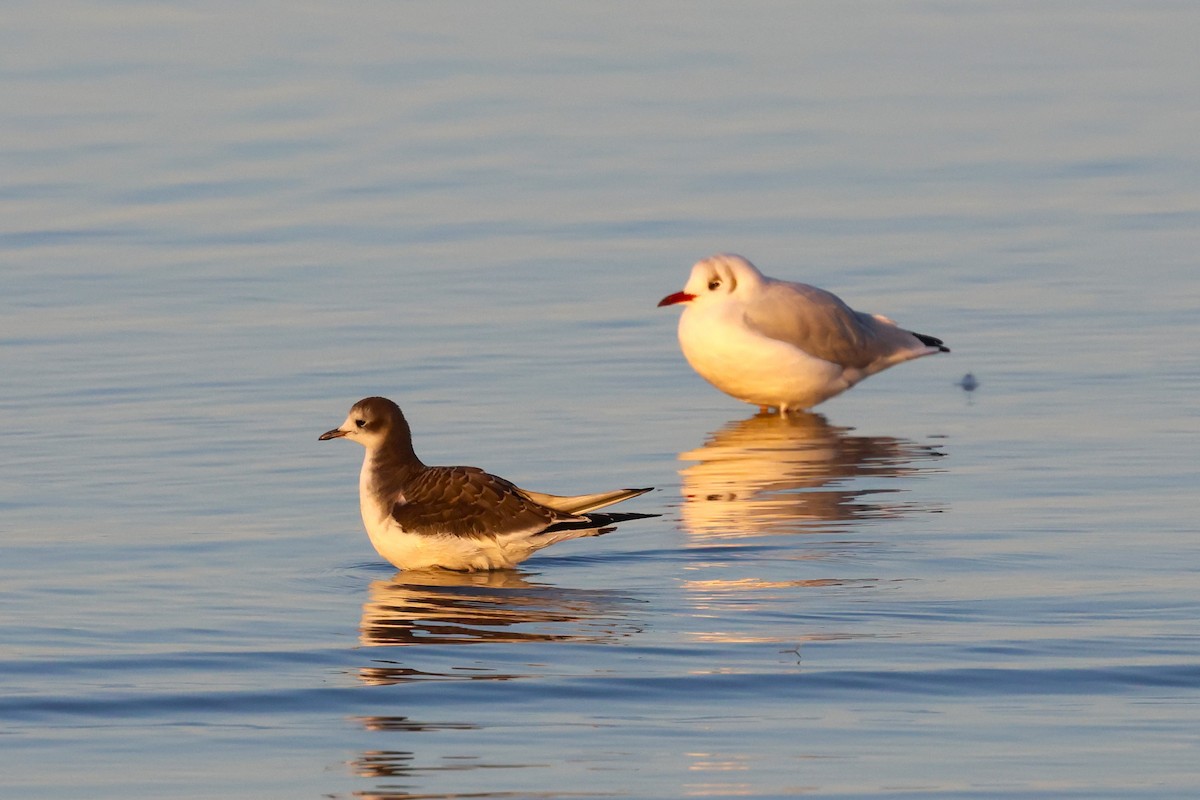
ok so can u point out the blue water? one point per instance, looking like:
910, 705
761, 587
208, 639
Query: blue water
222, 225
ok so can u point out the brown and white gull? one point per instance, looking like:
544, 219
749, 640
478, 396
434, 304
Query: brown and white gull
461, 518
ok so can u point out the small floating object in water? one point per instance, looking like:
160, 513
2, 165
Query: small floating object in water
968, 383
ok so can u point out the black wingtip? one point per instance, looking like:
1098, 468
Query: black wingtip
932, 341
605, 521
619, 516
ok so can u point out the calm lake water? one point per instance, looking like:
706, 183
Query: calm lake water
224, 223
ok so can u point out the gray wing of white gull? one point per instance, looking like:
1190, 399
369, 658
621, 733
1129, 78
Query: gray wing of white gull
822, 325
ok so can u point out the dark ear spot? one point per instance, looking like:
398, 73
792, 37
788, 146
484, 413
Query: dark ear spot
721, 279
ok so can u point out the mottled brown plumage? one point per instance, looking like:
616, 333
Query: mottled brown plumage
466, 501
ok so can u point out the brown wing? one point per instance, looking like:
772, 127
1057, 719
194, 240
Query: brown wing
821, 324
466, 501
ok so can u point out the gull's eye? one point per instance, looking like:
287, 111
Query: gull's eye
361, 423
714, 285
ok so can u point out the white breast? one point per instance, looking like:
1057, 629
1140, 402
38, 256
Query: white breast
755, 368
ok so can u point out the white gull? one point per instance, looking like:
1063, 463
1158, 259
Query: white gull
779, 344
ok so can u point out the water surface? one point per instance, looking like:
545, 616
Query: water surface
222, 225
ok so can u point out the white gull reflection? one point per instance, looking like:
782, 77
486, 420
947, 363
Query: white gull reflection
790, 474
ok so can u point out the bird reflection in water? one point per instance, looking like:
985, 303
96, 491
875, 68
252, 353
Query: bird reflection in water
405, 765
439, 607
787, 474
793, 473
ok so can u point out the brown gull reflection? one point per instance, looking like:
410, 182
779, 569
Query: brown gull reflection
793, 473
401, 768
440, 607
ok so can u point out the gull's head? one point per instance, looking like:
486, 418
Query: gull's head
716, 278
369, 422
